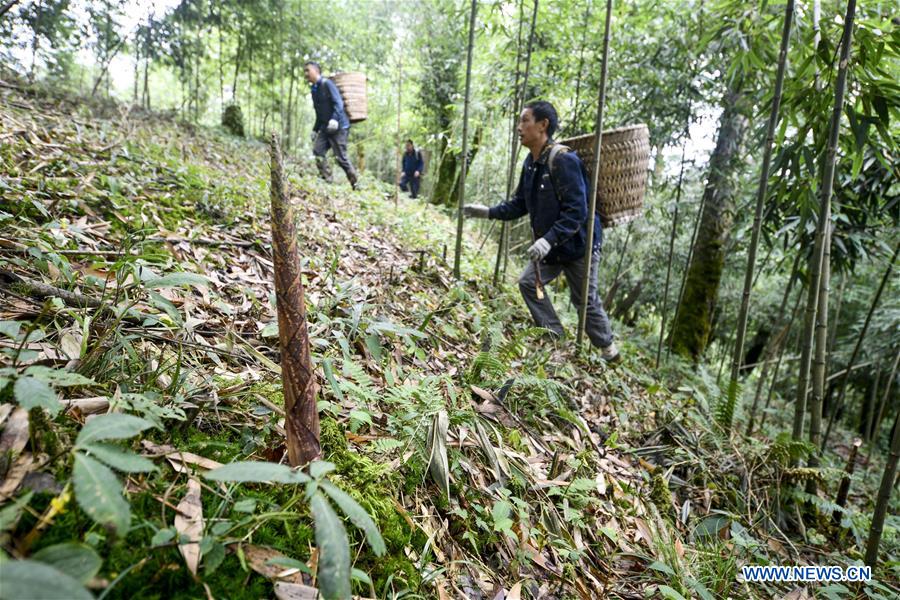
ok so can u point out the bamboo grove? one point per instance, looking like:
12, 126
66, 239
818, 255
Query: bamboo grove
763, 267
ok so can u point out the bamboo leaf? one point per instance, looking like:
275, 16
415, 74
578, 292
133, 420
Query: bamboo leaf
438, 464
334, 550
177, 280
99, 493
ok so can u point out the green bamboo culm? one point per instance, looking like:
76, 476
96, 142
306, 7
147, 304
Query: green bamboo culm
595, 179
761, 190
826, 189
465, 145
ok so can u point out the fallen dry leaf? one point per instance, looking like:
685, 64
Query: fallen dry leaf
189, 522
295, 591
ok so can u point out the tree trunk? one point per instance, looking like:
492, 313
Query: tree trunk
457, 255
298, 378
692, 326
821, 358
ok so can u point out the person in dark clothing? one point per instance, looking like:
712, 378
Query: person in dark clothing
413, 167
553, 191
332, 127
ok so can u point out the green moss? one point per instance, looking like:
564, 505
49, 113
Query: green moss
374, 487
661, 496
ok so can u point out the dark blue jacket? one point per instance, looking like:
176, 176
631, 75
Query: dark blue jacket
557, 206
413, 162
328, 104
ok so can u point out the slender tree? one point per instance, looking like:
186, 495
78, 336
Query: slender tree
761, 190
665, 306
465, 142
884, 495
822, 229
595, 178
518, 103
839, 403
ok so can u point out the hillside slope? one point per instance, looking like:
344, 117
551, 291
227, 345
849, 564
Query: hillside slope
137, 278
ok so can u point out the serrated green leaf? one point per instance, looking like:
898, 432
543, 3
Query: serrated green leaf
34, 393
58, 377
99, 493
37, 581
112, 426
334, 550
357, 515
256, 472
78, 561
119, 459
176, 280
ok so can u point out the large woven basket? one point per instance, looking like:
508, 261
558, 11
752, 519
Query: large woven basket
624, 159
353, 90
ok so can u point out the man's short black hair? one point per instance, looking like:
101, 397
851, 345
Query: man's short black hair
541, 110
313, 63
410, 142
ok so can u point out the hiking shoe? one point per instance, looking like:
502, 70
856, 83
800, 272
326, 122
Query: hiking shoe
610, 354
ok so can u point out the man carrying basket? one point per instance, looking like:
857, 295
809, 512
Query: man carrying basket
553, 191
332, 127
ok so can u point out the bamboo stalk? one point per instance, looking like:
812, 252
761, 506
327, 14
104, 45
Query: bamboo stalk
775, 345
884, 494
821, 358
839, 403
826, 188
595, 178
465, 142
662, 325
761, 190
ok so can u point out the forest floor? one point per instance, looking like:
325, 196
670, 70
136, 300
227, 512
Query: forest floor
567, 478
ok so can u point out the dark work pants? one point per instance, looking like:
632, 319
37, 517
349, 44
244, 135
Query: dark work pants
337, 142
597, 327
412, 183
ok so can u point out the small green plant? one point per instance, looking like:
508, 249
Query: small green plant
334, 571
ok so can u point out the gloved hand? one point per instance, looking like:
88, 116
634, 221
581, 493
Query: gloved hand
476, 211
332, 126
313, 136
538, 250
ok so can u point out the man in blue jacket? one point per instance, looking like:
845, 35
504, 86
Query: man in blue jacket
553, 192
413, 167
332, 127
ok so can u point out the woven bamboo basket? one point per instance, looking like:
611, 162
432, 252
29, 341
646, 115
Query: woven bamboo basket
625, 157
353, 90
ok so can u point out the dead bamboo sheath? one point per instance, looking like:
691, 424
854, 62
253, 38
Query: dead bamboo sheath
298, 378
844, 490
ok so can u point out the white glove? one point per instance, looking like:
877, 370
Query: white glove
538, 250
332, 126
476, 211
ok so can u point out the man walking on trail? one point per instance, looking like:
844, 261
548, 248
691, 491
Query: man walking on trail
413, 167
553, 191
332, 127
